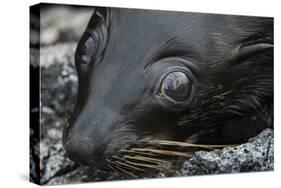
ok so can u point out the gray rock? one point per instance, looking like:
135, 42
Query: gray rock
256, 155
58, 91
62, 53
61, 27
53, 159
58, 85
61, 23
78, 175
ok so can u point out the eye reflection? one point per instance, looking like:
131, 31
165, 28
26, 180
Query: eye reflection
177, 86
89, 49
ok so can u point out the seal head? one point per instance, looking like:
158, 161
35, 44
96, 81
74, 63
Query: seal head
158, 75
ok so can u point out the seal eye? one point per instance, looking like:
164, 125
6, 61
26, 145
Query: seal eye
87, 48
92, 43
176, 86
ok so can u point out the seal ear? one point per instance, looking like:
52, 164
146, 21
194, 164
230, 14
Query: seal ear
104, 13
249, 49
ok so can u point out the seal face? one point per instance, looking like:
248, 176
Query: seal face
148, 75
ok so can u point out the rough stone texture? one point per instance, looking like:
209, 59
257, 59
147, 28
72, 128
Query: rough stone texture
53, 159
78, 175
61, 53
60, 29
58, 93
63, 23
58, 85
256, 155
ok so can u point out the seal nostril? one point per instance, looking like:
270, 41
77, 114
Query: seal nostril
79, 150
82, 150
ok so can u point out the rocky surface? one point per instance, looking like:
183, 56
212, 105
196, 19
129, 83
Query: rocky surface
78, 175
63, 23
58, 91
256, 155
61, 29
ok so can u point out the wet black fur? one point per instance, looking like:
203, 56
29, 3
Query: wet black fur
230, 60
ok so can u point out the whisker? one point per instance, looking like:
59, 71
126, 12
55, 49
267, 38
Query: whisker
147, 159
114, 169
111, 162
185, 144
157, 167
126, 172
127, 165
138, 152
121, 169
164, 152
142, 159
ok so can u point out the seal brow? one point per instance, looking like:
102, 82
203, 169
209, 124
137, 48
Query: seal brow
173, 47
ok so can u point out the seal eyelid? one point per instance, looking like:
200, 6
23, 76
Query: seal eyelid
171, 48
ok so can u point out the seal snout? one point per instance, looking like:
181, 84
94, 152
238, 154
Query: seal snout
77, 149
86, 139
81, 149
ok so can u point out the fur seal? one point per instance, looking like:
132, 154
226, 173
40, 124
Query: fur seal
147, 75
